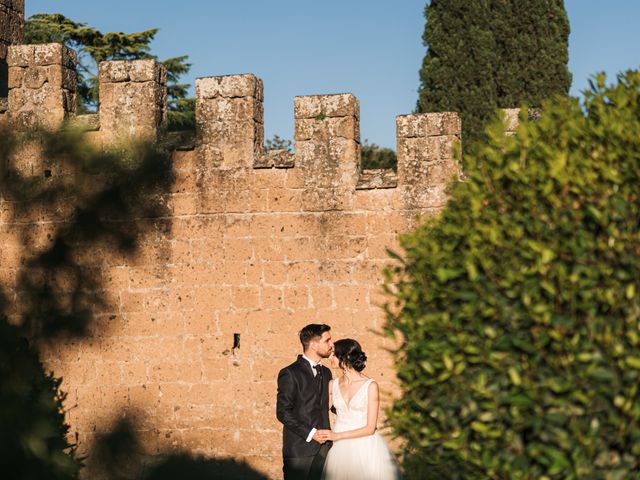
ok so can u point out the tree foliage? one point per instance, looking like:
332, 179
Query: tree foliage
533, 51
33, 437
278, 143
490, 54
518, 308
375, 156
94, 47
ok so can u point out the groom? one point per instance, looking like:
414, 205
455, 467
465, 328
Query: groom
303, 406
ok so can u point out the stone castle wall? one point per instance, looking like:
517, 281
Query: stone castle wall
11, 33
250, 246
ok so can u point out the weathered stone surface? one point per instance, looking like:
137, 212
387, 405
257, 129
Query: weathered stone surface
230, 86
426, 157
318, 106
377, 178
512, 118
11, 24
54, 54
21, 55
275, 159
428, 125
15, 77
327, 149
181, 141
42, 87
132, 100
15, 5
229, 121
89, 122
132, 71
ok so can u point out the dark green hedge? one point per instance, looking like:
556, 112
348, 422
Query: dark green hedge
33, 432
519, 307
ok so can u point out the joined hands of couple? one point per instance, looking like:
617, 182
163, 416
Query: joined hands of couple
322, 436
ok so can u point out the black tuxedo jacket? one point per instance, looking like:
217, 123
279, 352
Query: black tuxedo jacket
303, 404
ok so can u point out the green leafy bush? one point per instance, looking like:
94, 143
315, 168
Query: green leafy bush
33, 433
518, 309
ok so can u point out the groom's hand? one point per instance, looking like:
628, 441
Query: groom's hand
321, 436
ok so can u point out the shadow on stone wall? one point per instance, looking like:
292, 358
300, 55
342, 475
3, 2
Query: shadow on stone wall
122, 457
64, 206
4, 74
68, 206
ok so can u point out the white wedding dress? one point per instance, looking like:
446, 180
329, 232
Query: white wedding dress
363, 458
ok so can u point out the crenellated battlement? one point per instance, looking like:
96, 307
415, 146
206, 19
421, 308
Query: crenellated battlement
41, 90
230, 127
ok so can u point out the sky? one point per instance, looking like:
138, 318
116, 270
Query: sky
371, 48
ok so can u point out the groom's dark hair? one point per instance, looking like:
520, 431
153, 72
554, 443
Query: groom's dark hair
311, 331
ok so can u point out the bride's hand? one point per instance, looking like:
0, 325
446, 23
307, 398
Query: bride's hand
331, 436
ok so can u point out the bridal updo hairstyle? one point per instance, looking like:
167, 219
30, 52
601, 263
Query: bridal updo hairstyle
350, 355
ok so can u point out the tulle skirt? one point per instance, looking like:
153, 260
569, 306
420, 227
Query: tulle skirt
364, 458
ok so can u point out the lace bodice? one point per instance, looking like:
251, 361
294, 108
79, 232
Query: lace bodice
354, 415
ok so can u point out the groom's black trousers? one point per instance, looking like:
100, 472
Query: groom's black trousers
305, 468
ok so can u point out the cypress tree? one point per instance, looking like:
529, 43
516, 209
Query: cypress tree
490, 54
532, 40
457, 71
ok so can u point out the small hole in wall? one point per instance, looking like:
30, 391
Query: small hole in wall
47, 173
236, 341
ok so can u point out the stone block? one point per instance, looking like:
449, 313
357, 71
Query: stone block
230, 86
42, 85
21, 55
54, 54
426, 157
377, 178
344, 127
308, 128
275, 159
229, 121
340, 105
307, 107
15, 76
132, 100
428, 125
120, 71
147, 71
511, 118
327, 149
319, 106
113, 72
34, 78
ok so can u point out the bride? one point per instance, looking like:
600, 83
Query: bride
358, 452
